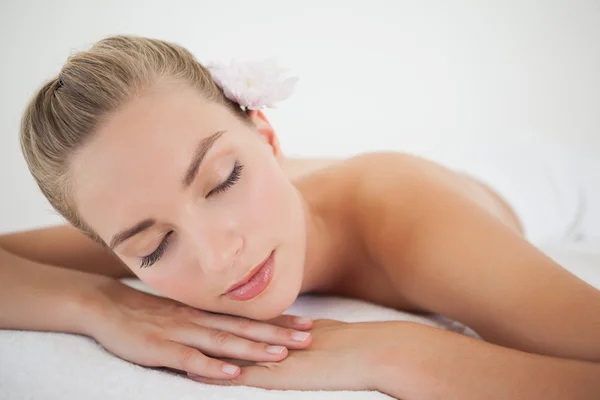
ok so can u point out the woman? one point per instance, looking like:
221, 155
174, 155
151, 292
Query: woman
150, 155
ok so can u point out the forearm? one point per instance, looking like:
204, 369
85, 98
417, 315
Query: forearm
431, 363
64, 246
40, 297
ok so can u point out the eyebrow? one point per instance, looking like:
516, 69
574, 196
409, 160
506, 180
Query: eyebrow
201, 150
199, 154
134, 230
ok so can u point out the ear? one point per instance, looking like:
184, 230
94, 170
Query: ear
266, 132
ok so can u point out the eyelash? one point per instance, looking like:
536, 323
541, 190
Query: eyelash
156, 254
230, 181
235, 176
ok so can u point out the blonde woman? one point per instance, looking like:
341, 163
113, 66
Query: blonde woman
177, 178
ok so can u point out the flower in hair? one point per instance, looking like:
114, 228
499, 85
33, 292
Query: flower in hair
253, 85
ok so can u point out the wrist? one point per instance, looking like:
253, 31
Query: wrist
396, 359
87, 305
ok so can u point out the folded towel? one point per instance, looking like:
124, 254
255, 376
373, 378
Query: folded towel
36, 365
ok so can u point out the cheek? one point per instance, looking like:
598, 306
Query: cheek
267, 198
175, 281
170, 286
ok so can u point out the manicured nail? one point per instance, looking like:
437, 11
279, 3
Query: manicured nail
229, 369
302, 320
275, 349
300, 336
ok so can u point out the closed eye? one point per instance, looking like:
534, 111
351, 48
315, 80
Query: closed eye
235, 176
231, 180
150, 259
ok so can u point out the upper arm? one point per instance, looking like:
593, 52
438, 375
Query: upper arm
64, 246
449, 256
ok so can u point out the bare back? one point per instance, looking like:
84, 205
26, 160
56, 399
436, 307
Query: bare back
364, 279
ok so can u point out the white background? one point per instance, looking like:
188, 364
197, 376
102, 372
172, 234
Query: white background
421, 76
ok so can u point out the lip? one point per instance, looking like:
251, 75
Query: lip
255, 281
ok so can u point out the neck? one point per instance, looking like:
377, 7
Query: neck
323, 266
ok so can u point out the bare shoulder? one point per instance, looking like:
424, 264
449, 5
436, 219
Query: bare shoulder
370, 180
378, 161
364, 167
384, 170
372, 183
391, 194
408, 183
381, 192
363, 178
391, 188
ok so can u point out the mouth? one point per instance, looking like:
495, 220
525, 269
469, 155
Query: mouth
254, 283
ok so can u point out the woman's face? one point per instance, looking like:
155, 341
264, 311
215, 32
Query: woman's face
194, 200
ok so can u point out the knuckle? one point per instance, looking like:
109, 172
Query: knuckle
193, 312
284, 333
281, 319
284, 321
152, 339
221, 337
183, 315
243, 324
186, 358
223, 382
174, 323
248, 349
198, 314
235, 381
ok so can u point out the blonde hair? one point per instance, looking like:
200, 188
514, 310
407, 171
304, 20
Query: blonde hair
63, 115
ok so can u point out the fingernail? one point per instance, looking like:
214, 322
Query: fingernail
229, 369
300, 336
302, 320
275, 349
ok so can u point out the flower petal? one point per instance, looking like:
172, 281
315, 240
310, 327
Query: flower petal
253, 85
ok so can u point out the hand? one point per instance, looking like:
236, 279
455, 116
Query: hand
341, 357
158, 332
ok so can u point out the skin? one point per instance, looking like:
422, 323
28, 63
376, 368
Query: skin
216, 240
388, 228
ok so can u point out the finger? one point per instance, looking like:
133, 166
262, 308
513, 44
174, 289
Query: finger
256, 376
291, 321
217, 343
239, 362
324, 323
190, 360
257, 331
212, 381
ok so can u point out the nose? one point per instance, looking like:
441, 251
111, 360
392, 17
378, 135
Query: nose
214, 238
229, 252
218, 251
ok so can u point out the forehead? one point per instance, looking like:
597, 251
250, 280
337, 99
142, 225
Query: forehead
139, 149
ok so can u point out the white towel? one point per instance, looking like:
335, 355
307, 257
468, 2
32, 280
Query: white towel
554, 190
48, 366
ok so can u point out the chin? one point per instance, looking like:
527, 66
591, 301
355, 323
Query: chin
281, 293
274, 306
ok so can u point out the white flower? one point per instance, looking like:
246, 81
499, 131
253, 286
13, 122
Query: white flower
253, 85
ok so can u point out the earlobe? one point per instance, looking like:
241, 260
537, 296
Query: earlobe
266, 132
